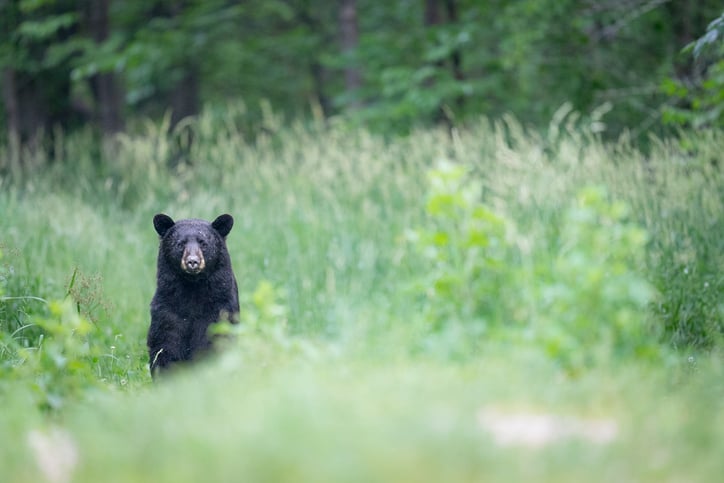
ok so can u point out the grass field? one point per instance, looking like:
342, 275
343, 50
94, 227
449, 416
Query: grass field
490, 304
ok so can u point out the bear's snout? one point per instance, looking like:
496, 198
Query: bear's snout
192, 260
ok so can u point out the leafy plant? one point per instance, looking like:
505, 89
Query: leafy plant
701, 99
590, 300
262, 332
52, 350
17, 309
582, 303
63, 364
465, 246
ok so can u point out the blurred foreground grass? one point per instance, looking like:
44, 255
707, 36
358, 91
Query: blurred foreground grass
502, 418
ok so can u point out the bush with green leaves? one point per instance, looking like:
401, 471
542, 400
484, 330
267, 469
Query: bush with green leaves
590, 299
700, 99
53, 350
575, 294
19, 303
262, 334
63, 364
465, 246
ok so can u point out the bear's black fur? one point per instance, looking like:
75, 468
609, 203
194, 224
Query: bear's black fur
195, 288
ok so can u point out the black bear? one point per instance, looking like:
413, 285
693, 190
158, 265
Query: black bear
195, 288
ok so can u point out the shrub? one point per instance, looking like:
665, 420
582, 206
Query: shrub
590, 300
52, 350
464, 245
577, 295
63, 364
262, 334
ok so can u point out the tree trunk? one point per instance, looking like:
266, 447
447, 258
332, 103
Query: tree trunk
185, 100
319, 74
350, 39
432, 18
432, 12
12, 115
105, 87
304, 14
10, 101
455, 56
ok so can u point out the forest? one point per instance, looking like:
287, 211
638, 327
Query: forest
473, 240
392, 66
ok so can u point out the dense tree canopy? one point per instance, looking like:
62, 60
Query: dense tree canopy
392, 65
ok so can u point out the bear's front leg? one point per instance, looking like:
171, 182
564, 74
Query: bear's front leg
165, 342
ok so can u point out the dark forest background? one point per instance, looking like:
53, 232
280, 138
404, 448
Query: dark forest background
640, 65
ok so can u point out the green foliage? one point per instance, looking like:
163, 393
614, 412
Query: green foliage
584, 302
682, 213
262, 334
265, 312
591, 298
44, 28
63, 364
409, 81
711, 41
18, 308
155, 55
465, 245
51, 348
527, 57
262, 313
700, 100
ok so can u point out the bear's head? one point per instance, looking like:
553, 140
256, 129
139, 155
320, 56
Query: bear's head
192, 246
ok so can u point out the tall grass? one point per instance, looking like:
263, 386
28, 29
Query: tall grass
354, 344
320, 209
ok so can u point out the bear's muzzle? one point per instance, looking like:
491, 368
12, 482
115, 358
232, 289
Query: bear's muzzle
192, 260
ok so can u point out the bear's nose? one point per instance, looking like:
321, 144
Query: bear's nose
192, 262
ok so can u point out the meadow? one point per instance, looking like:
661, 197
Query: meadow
486, 304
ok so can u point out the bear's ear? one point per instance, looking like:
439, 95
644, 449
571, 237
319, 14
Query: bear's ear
162, 223
223, 224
